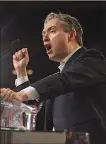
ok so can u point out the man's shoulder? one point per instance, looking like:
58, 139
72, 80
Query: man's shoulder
93, 53
83, 56
90, 56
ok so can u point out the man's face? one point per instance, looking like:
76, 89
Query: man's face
55, 40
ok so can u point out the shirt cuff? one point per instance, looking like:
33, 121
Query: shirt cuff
32, 93
21, 80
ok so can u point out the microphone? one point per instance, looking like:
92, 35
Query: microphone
13, 47
15, 41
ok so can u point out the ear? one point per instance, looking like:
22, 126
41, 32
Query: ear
72, 35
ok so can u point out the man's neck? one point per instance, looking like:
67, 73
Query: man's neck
70, 54
63, 62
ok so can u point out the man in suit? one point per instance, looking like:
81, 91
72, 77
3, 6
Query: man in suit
76, 91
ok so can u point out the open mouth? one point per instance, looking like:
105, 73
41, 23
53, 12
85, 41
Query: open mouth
48, 47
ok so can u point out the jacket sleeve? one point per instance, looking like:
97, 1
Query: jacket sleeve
88, 71
22, 86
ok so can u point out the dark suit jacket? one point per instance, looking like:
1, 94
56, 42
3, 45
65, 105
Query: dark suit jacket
75, 94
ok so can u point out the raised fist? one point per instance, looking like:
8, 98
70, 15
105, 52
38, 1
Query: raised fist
21, 59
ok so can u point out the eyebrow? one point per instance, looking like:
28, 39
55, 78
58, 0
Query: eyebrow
48, 29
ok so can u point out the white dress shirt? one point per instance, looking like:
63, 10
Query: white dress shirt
30, 91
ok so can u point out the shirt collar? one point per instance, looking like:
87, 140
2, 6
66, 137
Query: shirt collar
63, 62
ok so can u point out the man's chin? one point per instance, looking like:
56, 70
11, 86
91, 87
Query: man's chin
53, 58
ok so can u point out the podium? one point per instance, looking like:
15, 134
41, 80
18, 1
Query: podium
15, 130
29, 137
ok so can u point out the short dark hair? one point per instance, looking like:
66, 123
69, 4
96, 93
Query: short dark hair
70, 24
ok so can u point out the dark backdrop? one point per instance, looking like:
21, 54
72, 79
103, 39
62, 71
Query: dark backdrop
24, 21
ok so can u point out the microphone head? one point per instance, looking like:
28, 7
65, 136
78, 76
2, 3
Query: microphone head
15, 41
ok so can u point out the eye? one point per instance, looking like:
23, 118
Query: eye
52, 31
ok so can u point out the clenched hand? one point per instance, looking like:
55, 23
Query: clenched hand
9, 95
20, 61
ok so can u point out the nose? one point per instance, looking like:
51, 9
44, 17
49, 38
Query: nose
46, 38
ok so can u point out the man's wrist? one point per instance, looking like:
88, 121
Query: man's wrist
21, 73
22, 96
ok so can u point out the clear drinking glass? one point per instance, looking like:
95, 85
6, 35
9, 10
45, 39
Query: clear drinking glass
18, 115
